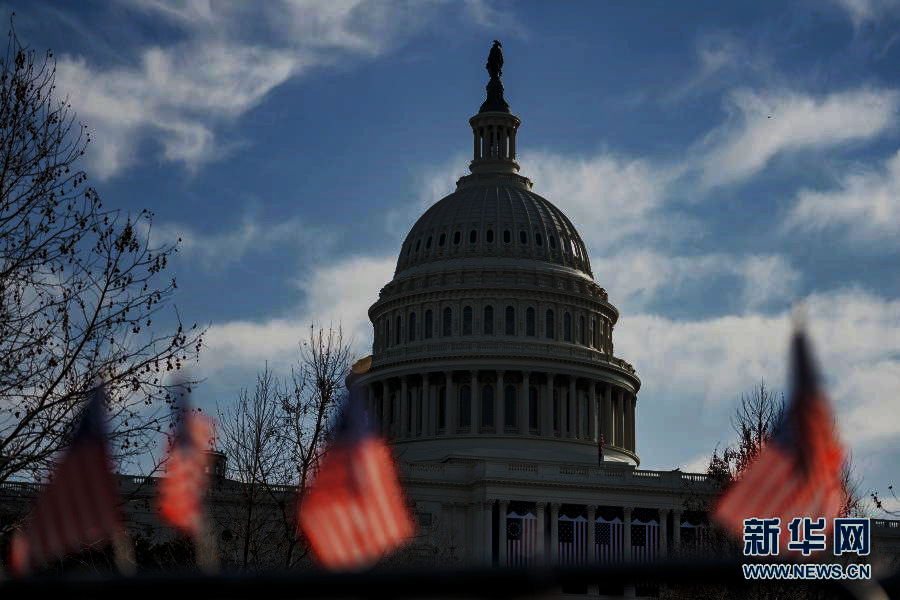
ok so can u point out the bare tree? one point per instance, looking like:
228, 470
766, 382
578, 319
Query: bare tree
275, 440
80, 285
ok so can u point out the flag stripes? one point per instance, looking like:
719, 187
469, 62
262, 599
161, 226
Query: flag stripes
644, 541
572, 535
182, 491
521, 539
608, 540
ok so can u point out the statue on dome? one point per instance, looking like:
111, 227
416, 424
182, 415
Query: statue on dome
494, 64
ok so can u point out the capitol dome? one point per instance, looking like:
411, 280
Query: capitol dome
492, 340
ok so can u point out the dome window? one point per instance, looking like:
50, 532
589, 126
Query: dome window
529, 322
465, 406
428, 243
567, 327
429, 323
552, 241
408, 248
397, 333
507, 236
456, 238
442, 407
442, 239
581, 332
510, 321
548, 325
523, 237
488, 326
418, 244
473, 236
510, 405
490, 236
467, 320
538, 239
412, 326
533, 405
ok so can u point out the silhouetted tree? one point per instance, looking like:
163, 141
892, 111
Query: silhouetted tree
80, 285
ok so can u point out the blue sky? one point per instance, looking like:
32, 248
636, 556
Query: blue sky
723, 161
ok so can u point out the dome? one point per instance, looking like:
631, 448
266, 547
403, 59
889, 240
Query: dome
492, 219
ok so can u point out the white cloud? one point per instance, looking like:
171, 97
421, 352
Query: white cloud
764, 124
866, 205
179, 95
220, 249
862, 12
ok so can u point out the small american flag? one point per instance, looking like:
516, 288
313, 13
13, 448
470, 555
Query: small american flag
521, 539
181, 493
608, 540
80, 505
355, 512
572, 540
798, 473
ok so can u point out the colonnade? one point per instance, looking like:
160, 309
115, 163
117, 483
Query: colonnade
497, 402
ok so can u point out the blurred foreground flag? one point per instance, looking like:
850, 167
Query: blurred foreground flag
798, 473
355, 512
80, 504
182, 491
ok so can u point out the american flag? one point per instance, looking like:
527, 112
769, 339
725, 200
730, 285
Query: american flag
572, 540
694, 537
608, 539
644, 541
521, 539
355, 512
798, 473
181, 493
80, 505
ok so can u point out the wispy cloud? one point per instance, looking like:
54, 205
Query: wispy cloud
764, 124
862, 12
865, 207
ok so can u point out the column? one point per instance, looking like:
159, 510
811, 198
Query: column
475, 149
426, 406
606, 418
547, 409
592, 412
561, 412
404, 409
620, 419
523, 403
487, 522
450, 405
540, 550
676, 531
499, 402
414, 416
472, 544
663, 533
385, 407
592, 531
572, 425
501, 533
476, 401
512, 143
554, 533
626, 534
634, 423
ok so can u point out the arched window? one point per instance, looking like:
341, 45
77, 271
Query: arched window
490, 236
555, 410
488, 321
442, 239
397, 333
581, 333
412, 327
473, 236
552, 241
523, 237
465, 406
429, 323
487, 406
510, 321
538, 239
533, 407
428, 243
548, 325
387, 332
510, 406
447, 328
595, 333
507, 236
529, 321
467, 320
442, 407
418, 244
567, 327
456, 237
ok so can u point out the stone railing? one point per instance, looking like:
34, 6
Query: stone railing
543, 350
